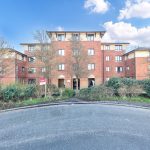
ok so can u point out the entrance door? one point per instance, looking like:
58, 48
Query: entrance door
75, 84
91, 82
61, 83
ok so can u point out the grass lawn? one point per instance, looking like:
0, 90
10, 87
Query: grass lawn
35, 101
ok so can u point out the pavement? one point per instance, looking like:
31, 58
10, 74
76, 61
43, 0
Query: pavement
76, 127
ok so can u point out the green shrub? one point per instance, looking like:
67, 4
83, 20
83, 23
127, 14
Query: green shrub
11, 92
96, 93
146, 86
68, 93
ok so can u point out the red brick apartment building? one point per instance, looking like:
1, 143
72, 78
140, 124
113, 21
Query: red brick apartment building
13, 67
107, 60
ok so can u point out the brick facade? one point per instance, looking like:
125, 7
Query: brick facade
109, 60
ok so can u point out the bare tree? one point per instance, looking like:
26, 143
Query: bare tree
4, 56
77, 62
45, 55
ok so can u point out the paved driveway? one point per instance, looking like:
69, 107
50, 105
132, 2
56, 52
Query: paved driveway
76, 127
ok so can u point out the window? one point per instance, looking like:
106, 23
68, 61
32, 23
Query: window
61, 67
31, 81
75, 36
118, 47
106, 47
107, 69
118, 58
31, 70
43, 69
76, 52
61, 52
31, 59
91, 66
90, 37
30, 48
75, 67
119, 69
107, 58
90, 52
1, 71
107, 79
128, 68
60, 37
23, 69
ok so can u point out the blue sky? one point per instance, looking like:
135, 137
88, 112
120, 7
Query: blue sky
20, 18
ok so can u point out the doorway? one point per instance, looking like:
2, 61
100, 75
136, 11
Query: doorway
75, 84
91, 82
61, 83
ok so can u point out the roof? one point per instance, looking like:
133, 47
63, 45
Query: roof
33, 43
115, 43
138, 49
13, 50
75, 31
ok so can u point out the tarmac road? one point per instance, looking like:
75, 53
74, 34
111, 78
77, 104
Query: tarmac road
76, 127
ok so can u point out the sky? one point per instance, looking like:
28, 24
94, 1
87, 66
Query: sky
124, 20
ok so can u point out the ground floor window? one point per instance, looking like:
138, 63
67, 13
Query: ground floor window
31, 81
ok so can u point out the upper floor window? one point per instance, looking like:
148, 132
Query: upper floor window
106, 47
118, 58
61, 67
90, 52
43, 69
60, 37
90, 37
30, 48
119, 69
91, 66
107, 58
31, 70
107, 69
75, 67
118, 47
127, 68
61, 52
31, 59
76, 52
23, 69
75, 36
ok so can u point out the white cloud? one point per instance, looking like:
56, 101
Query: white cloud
97, 6
135, 9
126, 32
59, 28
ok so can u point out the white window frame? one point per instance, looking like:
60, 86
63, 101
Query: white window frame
118, 47
31, 48
61, 67
90, 52
91, 66
31, 70
90, 37
107, 58
107, 69
61, 37
43, 70
61, 52
121, 69
118, 58
106, 47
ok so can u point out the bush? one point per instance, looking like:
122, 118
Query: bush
96, 93
146, 86
130, 91
18, 92
68, 93
11, 92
